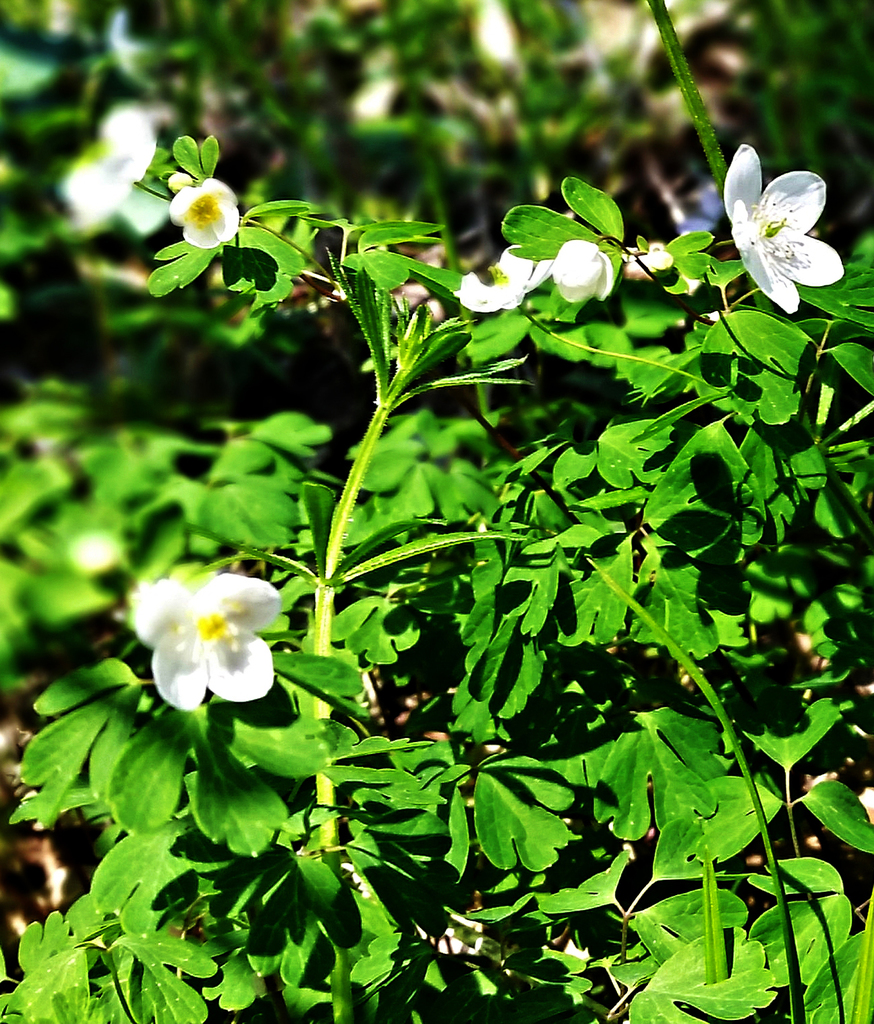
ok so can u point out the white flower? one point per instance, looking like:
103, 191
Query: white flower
769, 229
582, 272
207, 213
99, 184
206, 640
513, 278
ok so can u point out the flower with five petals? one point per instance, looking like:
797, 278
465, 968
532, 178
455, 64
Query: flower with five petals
206, 640
770, 229
207, 213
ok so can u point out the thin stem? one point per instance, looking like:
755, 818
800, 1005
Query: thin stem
346, 504
795, 845
732, 741
851, 506
691, 95
853, 421
150, 191
611, 355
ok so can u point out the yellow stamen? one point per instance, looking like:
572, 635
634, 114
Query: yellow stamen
203, 211
212, 627
499, 276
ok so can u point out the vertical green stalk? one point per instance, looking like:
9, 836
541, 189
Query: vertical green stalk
329, 832
715, 958
863, 1002
691, 95
796, 995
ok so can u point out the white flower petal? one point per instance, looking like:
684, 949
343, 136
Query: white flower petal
797, 197
247, 603
163, 608
241, 674
220, 191
484, 298
203, 238
743, 182
769, 276
180, 203
226, 230
541, 272
180, 677
813, 262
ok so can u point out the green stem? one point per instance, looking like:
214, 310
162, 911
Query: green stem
346, 504
691, 95
851, 506
853, 421
329, 831
733, 742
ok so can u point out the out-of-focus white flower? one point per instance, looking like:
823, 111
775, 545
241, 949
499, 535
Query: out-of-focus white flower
207, 213
100, 182
769, 229
582, 272
129, 53
206, 640
513, 278
495, 34
95, 553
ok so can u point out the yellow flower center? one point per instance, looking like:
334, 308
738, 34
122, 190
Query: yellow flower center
212, 627
499, 276
203, 211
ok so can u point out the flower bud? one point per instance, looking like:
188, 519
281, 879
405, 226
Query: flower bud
658, 260
178, 181
582, 272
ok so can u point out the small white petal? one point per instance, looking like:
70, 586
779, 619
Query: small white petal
203, 238
162, 608
248, 603
769, 276
230, 222
180, 677
242, 673
484, 298
743, 182
180, 203
220, 191
814, 263
797, 197
541, 272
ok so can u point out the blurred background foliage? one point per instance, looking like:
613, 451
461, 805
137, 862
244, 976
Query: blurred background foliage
124, 418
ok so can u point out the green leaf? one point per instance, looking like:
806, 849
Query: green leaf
186, 154
332, 903
391, 232
158, 752
786, 730
670, 925
540, 232
681, 981
388, 270
857, 360
329, 679
840, 810
188, 262
281, 207
84, 684
596, 208
715, 960
415, 549
677, 753
230, 803
140, 898
705, 503
298, 751
510, 824
819, 926
850, 298
319, 501
209, 155
162, 997
832, 994
597, 891
244, 267
802, 876
288, 260
863, 1003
